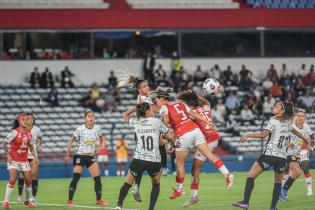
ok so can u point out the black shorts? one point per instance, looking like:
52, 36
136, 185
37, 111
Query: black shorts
292, 158
137, 167
279, 164
83, 160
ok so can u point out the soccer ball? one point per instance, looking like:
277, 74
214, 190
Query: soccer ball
211, 86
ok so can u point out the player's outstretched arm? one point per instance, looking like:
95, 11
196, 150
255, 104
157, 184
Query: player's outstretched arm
200, 117
260, 135
128, 113
306, 140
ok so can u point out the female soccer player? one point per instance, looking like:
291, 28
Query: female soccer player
16, 145
202, 106
102, 156
293, 153
278, 130
177, 115
37, 144
143, 89
87, 135
146, 155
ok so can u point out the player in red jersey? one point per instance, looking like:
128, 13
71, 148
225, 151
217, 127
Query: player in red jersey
202, 106
16, 145
102, 156
177, 115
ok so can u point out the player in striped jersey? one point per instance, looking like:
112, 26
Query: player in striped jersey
84, 156
202, 106
278, 129
143, 90
293, 154
37, 144
147, 156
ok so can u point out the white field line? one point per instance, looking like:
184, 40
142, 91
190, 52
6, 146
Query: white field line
76, 206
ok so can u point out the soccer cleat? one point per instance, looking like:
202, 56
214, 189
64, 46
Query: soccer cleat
136, 195
309, 193
165, 171
191, 201
118, 208
229, 181
70, 203
20, 199
6, 205
283, 195
241, 204
29, 204
273, 209
34, 201
177, 193
102, 203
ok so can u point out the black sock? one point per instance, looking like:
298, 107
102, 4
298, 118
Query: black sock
20, 185
34, 187
123, 193
154, 195
275, 194
163, 155
288, 183
138, 179
98, 187
248, 189
73, 185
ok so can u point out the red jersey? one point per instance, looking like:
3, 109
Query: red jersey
179, 118
103, 151
19, 142
210, 134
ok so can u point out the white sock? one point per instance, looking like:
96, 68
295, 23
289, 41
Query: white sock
179, 186
285, 178
123, 173
194, 193
8, 192
221, 167
106, 172
28, 193
309, 183
118, 173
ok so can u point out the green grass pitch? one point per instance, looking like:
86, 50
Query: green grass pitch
212, 193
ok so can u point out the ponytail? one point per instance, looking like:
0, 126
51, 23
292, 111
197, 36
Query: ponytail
129, 80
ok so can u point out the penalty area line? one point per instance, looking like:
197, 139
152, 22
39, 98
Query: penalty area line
75, 206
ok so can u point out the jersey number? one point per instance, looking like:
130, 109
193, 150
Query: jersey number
281, 139
207, 118
184, 117
147, 143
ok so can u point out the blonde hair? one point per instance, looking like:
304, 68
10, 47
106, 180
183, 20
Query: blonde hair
127, 79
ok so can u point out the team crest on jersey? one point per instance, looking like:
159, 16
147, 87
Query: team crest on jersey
77, 161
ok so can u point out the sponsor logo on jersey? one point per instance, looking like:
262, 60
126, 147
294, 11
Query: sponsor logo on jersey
89, 142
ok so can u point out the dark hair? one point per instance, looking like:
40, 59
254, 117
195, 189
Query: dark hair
31, 114
189, 98
16, 123
162, 94
87, 111
288, 110
141, 109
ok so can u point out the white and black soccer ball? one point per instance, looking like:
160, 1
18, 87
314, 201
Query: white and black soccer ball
212, 86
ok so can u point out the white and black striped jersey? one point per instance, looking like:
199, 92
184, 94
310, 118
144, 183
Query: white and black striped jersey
148, 131
36, 133
305, 131
279, 134
86, 139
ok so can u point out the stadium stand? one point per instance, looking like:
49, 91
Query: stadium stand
58, 123
53, 4
183, 4
282, 4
